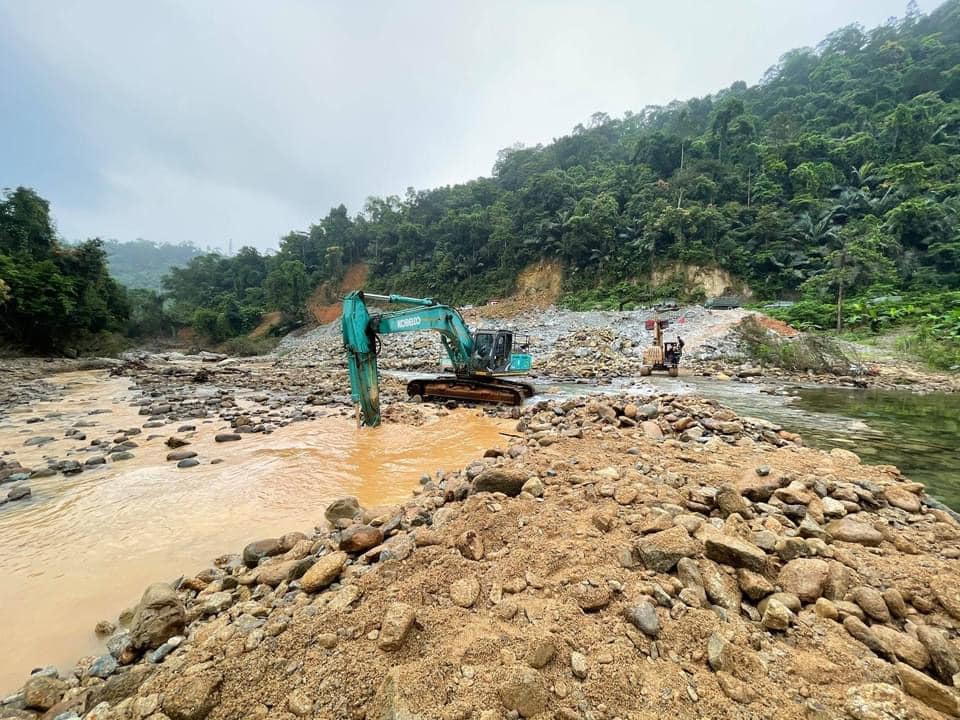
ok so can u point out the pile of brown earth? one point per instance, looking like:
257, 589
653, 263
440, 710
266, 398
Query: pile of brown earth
615, 561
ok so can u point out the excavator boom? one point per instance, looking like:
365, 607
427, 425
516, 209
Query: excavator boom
476, 358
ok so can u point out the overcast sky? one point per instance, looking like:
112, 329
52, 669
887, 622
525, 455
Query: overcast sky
178, 120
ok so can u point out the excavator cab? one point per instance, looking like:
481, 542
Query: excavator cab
493, 353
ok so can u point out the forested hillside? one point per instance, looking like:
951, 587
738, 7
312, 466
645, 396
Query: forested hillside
836, 174
53, 296
142, 263
835, 178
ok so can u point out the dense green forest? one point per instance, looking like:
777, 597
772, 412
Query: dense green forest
53, 296
836, 175
143, 263
834, 179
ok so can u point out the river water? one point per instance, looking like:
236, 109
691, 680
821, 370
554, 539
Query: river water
85, 546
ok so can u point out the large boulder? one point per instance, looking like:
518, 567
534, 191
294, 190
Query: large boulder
927, 690
360, 538
736, 552
852, 531
42, 692
661, 551
345, 508
323, 572
159, 615
805, 578
256, 551
499, 480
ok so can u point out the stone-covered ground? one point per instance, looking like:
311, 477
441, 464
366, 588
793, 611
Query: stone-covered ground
609, 561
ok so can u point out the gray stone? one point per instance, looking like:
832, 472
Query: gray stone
643, 616
661, 551
498, 480
159, 616
103, 667
345, 508
735, 552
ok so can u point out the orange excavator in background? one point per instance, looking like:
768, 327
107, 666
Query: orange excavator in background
661, 356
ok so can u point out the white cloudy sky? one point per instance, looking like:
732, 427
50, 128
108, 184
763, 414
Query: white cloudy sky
179, 120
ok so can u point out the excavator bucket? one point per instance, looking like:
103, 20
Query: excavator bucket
360, 343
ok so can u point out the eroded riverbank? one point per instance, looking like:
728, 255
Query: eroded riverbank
85, 545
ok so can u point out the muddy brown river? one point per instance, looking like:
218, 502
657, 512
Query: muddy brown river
85, 546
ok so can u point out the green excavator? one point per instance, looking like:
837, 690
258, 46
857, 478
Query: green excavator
479, 359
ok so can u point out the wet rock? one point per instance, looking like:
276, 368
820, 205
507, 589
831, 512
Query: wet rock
178, 455
103, 667
345, 508
158, 655
19, 493
39, 440
661, 551
465, 591
259, 549
395, 626
323, 572
95, 460
188, 463
643, 616
498, 480
524, 692
191, 697
927, 690
159, 615
853, 531
42, 693
227, 437
735, 552
360, 538
804, 577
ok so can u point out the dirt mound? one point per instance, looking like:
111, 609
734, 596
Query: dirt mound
324, 303
537, 287
267, 323
778, 326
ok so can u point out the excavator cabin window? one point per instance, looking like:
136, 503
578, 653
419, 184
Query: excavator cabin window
493, 348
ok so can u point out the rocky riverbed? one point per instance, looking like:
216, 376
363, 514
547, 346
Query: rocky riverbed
607, 346
609, 560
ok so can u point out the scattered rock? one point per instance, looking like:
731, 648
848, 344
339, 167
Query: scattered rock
465, 591
395, 626
159, 615
323, 572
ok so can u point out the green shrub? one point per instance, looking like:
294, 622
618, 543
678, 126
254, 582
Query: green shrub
245, 346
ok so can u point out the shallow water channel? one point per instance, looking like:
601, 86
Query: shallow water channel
84, 547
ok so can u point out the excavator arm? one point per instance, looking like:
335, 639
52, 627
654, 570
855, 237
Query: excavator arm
360, 338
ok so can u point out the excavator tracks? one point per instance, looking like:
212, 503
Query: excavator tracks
485, 390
